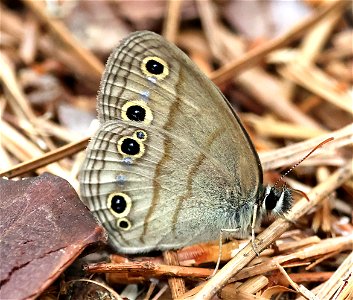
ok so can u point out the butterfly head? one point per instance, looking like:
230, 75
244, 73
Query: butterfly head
277, 201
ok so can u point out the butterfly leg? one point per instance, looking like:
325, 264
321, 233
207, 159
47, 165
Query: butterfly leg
220, 249
253, 224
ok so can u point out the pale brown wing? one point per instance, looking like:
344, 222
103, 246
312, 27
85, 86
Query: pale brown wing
198, 172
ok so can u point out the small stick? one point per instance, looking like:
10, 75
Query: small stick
171, 24
329, 245
45, 159
291, 154
150, 289
148, 269
161, 292
330, 286
254, 56
177, 285
65, 37
300, 289
311, 277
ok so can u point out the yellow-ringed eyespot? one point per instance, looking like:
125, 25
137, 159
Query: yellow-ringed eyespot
123, 224
153, 66
119, 204
136, 110
140, 134
132, 147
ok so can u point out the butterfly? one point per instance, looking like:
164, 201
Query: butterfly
171, 163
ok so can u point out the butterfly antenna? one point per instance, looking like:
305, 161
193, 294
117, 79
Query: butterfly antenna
301, 193
304, 158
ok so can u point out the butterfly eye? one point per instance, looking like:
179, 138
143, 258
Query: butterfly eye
271, 200
153, 66
136, 110
119, 204
277, 201
123, 224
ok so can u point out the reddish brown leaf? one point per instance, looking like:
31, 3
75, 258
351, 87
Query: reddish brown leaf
43, 227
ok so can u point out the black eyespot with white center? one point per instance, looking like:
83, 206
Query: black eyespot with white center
119, 204
123, 224
155, 68
130, 146
136, 113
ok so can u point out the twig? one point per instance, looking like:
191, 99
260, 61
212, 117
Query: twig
313, 42
161, 292
310, 276
270, 127
321, 259
296, 244
315, 80
254, 56
135, 270
172, 20
57, 27
329, 245
346, 291
330, 286
151, 288
251, 286
177, 285
262, 86
300, 289
293, 153
20, 104
45, 159
23, 149
148, 269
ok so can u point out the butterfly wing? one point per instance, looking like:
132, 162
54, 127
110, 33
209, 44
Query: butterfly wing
171, 157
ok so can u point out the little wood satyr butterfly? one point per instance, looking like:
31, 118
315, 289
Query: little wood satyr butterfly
171, 164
